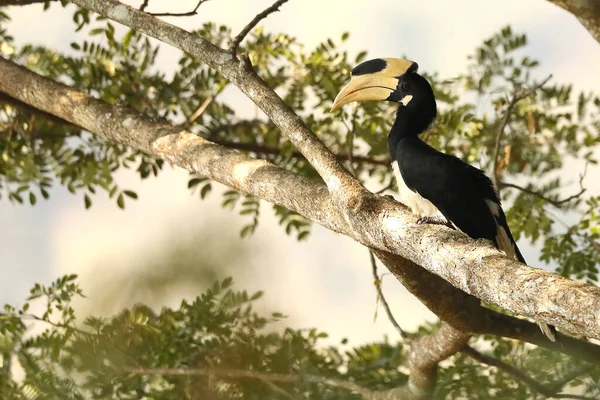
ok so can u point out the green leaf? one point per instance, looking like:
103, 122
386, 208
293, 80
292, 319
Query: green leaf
130, 194
121, 201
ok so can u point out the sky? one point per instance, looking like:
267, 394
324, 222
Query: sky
326, 281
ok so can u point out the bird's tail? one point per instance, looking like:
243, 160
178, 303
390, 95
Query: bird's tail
548, 330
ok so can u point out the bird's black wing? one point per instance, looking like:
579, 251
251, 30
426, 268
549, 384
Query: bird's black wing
462, 193
466, 197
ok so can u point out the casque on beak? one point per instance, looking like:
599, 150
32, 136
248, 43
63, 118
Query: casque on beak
375, 79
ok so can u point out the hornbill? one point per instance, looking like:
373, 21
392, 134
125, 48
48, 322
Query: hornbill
437, 187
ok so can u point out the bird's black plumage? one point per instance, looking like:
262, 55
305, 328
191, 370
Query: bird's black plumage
461, 192
433, 184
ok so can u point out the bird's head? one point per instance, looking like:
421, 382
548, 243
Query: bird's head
395, 80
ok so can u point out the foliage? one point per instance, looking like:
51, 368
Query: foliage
541, 134
55, 355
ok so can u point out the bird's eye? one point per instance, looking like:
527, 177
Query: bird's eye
404, 86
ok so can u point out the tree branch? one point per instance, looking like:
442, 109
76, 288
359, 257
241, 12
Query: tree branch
521, 376
381, 298
235, 43
279, 390
266, 150
428, 351
21, 2
376, 222
555, 203
586, 11
168, 14
509, 111
342, 185
272, 377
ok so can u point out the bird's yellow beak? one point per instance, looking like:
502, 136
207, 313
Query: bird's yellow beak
375, 79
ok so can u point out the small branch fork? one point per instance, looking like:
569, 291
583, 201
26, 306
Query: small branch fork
555, 203
168, 14
509, 111
235, 43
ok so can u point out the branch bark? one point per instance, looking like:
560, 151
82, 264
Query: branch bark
586, 11
427, 352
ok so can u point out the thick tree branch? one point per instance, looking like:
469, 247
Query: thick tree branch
386, 224
427, 352
586, 11
345, 189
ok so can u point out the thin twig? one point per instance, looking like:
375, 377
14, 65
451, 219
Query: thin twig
277, 389
350, 133
199, 111
240, 373
260, 149
183, 14
555, 203
558, 385
509, 110
507, 368
144, 5
576, 232
79, 331
523, 377
381, 297
235, 43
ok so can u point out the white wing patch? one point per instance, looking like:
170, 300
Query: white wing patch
502, 239
413, 200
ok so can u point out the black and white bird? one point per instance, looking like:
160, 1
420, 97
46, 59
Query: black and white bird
437, 187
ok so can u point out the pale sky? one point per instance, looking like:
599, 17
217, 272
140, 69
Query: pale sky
326, 281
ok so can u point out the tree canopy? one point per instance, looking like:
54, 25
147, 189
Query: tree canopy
114, 111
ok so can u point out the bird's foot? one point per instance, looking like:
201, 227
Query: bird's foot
434, 221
